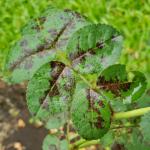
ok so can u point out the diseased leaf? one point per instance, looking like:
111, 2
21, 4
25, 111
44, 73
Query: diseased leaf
37, 87
49, 93
144, 101
114, 79
130, 139
118, 105
57, 120
136, 142
90, 113
52, 142
41, 38
108, 139
145, 127
94, 47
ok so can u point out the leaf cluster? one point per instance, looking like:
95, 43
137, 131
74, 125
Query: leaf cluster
71, 67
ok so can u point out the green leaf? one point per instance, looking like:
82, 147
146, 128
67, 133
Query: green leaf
135, 142
115, 80
108, 139
90, 113
118, 106
52, 142
145, 127
41, 38
56, 121
131, 139
139, 85
144, 101
94, 47
37, 87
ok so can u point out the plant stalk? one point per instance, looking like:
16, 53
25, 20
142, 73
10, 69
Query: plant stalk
131, 114
77, 144
89, 143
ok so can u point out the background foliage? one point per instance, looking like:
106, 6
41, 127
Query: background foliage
130, 17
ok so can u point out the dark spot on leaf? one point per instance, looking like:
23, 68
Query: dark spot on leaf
62, 137
44, 104
54, 91
117, 146
40, 48
98, 124
53, 32
115, 86
24, 43
57, 68
73, 13
60, 33
37, 28
75, 139
28, 64
43, 100
39, 23
93, 98
114, 38
77, 55
100, 45
42, 20
69, 84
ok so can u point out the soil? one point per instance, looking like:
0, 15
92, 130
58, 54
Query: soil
16, 133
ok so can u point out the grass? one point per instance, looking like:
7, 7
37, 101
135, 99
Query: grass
130, 17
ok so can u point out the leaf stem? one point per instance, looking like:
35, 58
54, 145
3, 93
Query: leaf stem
131, 114
125, 126
89, 143
83, 143
77, 144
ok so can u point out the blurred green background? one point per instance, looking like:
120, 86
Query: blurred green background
131, 17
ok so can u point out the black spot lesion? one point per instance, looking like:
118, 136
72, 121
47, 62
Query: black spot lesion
53, 32
42, 20
113, 85
40, 48
81, 55
39, 23
95, 104
24, 43
74, 13
100, 45
57, 68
